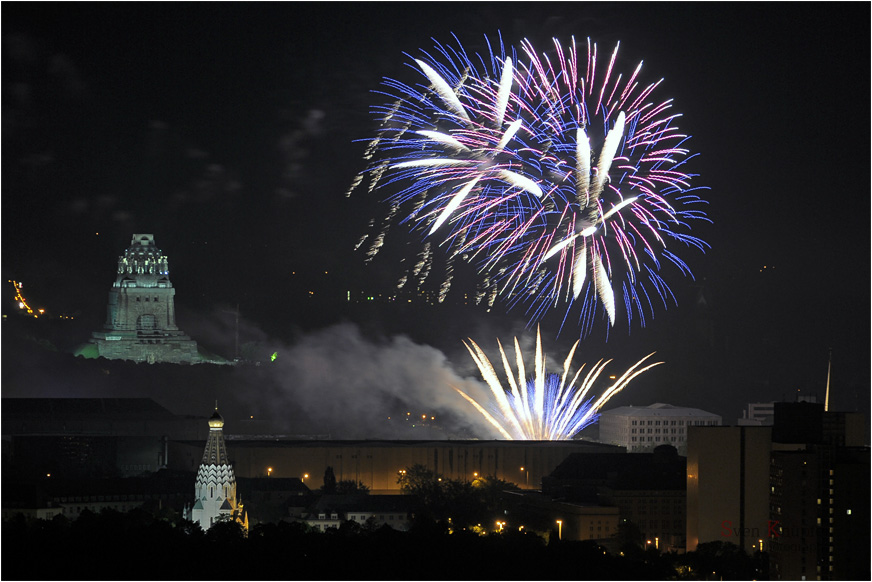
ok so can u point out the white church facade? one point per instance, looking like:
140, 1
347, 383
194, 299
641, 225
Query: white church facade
215, 487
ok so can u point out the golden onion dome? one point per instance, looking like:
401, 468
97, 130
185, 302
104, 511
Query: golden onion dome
216, 420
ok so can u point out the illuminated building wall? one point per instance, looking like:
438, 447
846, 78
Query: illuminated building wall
141, 319
728, 485
377, 464
643, 428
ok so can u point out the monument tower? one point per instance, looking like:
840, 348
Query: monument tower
141, 317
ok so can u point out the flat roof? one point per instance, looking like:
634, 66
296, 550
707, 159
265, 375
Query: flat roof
656, 409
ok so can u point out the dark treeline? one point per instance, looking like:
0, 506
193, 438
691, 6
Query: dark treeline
140, 545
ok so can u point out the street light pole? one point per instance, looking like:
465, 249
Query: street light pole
559, 529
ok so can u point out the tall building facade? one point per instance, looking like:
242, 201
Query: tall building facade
798, 490
728, 485
643, 428
215, 488
819, 495
141, 317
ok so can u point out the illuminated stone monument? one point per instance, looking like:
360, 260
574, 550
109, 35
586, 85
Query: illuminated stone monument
141, 318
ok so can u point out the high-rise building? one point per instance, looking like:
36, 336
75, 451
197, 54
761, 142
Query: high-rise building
643, 428
141, 317
819, 495
728, 485
798, 490
215, 488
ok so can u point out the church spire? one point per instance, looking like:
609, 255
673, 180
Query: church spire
215, 487
216, 449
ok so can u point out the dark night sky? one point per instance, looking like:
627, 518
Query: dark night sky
228, 130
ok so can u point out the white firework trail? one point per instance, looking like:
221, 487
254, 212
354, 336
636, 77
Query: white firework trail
545, 406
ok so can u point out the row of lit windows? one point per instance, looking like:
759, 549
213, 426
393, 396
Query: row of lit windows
657, 430
656, 439
674, 423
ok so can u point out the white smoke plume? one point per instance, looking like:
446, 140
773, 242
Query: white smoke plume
351, 384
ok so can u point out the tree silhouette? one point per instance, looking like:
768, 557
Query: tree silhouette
329, 481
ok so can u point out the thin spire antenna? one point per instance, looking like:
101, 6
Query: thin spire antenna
829, 372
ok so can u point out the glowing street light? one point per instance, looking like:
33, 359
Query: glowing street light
559, 529
269, 471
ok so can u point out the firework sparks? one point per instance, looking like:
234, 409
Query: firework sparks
545, 406
561, 180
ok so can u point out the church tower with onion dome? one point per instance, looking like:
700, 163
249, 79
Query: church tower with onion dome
141, 316
215, 488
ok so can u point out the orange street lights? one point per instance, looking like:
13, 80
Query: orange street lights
559, 529
269, 471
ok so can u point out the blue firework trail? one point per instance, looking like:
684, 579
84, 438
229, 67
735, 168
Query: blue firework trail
545, 406
561, 180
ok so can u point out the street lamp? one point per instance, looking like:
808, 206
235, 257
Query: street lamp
526, 476
269, 471
559, 529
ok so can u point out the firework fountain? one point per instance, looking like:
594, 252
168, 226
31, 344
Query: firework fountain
546, 406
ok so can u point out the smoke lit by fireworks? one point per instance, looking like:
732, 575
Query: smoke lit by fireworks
560, 179
546, 406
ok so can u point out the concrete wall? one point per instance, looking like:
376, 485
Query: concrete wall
728, 485
377, 463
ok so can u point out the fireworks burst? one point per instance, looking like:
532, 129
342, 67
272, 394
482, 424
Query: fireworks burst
545, 407
561, 180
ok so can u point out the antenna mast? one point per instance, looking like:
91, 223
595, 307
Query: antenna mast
829, 371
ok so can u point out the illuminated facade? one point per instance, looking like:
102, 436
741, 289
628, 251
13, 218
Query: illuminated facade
141, 318
643, 428
215, 488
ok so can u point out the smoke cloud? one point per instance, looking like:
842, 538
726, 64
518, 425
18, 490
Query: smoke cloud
339, 380
351, 384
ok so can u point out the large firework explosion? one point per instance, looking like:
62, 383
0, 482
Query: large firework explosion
545, 406
561, 180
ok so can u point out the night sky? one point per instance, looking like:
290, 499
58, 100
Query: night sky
232, 132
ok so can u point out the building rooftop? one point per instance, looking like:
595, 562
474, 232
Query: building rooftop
656, 409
